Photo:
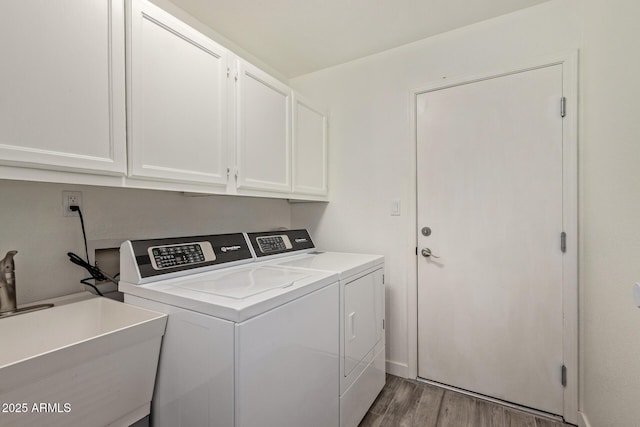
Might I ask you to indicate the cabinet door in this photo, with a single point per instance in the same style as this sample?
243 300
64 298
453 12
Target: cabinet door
62 102
309 148
177 98
263 131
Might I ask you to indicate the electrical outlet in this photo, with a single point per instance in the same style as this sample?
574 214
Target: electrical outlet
71 198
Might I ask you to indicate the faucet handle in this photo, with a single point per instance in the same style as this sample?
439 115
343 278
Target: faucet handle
7 284
6 264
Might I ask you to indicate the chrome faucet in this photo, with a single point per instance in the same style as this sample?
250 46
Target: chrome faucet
8 284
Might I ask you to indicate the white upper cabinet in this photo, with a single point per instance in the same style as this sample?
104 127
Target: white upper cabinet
309 148
155 105
263 131
62 85
177 87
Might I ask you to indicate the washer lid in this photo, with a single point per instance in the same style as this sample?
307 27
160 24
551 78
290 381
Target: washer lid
235 293
346 264
247 282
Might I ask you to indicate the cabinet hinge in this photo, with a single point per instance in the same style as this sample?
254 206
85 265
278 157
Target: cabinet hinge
563 376
563 106
416 251
228 170
383 324
563 242
383 279
228 72
236 78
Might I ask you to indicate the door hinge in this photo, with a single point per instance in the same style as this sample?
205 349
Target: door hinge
383 279
563 242
563 106
563 375
228 72
416 251
383 324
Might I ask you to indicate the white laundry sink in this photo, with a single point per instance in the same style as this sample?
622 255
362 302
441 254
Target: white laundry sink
86 363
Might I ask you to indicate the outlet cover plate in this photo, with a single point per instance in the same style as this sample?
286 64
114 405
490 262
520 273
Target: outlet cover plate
70 198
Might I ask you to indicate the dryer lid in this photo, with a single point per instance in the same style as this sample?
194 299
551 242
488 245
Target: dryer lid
346 264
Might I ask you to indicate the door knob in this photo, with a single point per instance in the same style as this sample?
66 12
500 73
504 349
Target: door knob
426 252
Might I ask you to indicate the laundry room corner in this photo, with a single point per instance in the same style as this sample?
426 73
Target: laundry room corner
372 160
315 213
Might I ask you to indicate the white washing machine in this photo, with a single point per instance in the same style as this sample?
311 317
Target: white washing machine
362 338
246 344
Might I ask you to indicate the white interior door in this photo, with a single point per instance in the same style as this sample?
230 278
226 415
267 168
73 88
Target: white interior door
490 188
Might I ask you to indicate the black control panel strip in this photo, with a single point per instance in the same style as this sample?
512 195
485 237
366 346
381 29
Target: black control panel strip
279 242
162 256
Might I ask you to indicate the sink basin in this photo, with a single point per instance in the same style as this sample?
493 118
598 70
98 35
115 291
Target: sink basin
86 363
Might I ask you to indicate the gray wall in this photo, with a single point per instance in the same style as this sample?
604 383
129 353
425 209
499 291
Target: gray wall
32 223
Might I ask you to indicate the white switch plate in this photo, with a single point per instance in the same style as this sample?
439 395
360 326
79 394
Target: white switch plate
395 207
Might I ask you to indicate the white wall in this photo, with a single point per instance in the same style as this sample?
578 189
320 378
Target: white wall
610 211
31 222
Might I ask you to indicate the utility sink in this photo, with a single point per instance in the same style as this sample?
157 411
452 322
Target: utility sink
86 363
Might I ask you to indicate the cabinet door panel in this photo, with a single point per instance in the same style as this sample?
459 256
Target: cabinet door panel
309 148
264 142
178 98
62 84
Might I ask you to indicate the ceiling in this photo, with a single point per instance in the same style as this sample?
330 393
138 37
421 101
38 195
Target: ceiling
297 37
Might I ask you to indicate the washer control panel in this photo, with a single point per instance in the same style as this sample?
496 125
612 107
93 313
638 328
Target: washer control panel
176 256
276 243
168 256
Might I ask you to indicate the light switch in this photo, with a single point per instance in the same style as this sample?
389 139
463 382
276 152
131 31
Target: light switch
395 207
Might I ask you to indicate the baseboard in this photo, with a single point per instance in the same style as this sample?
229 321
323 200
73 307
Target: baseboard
583 421
398 369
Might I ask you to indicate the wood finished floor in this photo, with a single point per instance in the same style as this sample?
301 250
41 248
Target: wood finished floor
408 403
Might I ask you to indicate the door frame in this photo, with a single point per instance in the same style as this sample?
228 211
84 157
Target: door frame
569 62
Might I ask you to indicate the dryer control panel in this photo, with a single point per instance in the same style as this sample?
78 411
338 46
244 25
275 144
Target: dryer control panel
280 242
269 244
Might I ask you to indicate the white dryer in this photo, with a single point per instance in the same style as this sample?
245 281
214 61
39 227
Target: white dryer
246 344
362 308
